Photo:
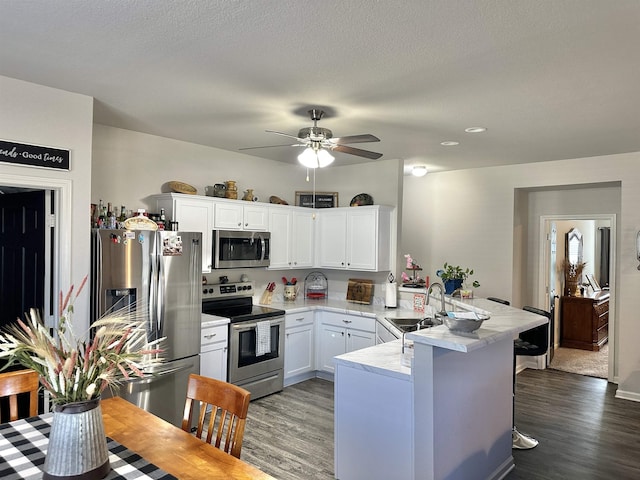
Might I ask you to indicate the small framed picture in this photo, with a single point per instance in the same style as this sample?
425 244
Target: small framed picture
593 282
317 200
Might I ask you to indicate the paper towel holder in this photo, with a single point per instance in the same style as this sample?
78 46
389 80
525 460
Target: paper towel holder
390 296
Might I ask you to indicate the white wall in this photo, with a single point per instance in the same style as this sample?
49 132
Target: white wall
129 166
35 114
467 217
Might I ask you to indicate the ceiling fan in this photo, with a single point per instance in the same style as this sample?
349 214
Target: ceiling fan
319 141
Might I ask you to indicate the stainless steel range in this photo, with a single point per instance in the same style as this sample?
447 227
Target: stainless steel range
256 337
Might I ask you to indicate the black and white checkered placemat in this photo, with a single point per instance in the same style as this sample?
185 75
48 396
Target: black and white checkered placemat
23 445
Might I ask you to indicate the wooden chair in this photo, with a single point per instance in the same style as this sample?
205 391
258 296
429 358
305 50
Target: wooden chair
16 382
229 405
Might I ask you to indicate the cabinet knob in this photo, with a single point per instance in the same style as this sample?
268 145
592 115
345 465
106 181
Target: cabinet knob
347 321
211 335
246 224
342 334
239 224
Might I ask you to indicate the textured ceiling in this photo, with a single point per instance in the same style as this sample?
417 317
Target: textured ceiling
550 79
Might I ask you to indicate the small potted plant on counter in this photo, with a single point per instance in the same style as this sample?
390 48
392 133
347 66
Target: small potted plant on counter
454 277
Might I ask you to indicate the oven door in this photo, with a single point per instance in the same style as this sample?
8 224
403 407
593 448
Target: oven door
240 249
244 363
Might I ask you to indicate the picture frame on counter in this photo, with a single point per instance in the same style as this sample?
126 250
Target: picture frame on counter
322 199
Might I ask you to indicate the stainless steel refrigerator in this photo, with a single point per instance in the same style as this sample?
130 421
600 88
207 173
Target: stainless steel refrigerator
160 271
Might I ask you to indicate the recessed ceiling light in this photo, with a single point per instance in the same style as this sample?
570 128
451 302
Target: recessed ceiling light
419 171
475 129
449 144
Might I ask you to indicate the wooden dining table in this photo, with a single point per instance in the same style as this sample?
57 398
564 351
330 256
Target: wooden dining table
169 447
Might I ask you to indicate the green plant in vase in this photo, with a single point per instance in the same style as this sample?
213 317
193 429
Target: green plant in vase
454 277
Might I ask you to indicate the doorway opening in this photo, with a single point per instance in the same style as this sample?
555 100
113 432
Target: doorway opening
25 252
583 323
534 210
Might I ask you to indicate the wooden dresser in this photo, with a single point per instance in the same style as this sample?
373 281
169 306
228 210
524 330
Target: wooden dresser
585 321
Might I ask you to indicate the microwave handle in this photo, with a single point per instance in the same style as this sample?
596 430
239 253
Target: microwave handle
262 247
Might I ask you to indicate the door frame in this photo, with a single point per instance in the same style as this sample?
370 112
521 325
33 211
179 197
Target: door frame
543 275
60 273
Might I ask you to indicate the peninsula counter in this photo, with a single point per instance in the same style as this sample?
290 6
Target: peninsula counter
448 416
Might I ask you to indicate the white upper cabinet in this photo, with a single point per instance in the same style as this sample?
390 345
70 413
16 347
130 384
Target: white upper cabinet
292 237
193 214
355 238
240 215
332 238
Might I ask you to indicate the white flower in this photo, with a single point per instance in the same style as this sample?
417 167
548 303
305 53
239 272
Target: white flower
90 390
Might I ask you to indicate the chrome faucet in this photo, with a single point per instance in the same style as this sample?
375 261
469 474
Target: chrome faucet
443 309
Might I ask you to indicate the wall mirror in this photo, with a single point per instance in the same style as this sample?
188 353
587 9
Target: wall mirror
574 246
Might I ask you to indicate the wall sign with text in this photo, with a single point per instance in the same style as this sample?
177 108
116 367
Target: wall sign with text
34 155
321 199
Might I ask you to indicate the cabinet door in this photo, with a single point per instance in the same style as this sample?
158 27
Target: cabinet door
196 215
362 239
302 244
298 345
332 228
280 222
255 217
213 363
332 343
228 216
357 339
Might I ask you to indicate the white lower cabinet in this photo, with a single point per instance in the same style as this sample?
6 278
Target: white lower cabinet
341 333
299 343
213 352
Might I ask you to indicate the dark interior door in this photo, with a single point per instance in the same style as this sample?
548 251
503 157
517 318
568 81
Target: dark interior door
22 253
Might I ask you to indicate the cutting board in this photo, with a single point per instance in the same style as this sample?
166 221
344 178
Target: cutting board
360 290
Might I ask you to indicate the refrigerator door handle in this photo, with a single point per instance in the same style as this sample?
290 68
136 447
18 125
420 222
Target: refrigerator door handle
154 376
153 297
159 282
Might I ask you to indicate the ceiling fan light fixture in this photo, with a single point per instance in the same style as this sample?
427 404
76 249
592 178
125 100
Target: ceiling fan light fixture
311 158
419 171
324 158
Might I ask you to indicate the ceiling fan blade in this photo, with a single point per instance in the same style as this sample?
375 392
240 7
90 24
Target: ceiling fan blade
284 135
365 138
357 151
271 146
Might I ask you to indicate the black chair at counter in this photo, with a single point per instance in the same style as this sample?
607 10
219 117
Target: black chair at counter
529 343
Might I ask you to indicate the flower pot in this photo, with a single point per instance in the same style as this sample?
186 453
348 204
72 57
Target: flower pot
451 286
77 443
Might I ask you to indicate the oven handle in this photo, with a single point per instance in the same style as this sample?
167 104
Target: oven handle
249 326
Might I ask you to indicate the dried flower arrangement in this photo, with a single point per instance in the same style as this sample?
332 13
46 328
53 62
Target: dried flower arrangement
73 369
572 270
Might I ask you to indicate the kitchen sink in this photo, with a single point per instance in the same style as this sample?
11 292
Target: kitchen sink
411 324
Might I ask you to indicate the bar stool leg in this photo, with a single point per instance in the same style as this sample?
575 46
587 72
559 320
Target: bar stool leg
519 440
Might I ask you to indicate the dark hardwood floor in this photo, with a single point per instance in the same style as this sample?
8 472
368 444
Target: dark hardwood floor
584 432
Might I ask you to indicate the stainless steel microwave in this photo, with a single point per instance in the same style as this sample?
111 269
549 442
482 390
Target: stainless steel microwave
240 249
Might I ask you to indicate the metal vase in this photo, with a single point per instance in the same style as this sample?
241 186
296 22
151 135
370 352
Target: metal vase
77 443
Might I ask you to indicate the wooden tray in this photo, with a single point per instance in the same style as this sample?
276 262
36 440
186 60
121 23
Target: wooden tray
360 290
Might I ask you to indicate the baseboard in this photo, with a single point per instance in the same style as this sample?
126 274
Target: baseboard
503 470
625 395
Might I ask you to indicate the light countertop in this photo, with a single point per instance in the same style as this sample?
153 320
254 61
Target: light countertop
505 322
